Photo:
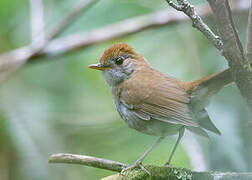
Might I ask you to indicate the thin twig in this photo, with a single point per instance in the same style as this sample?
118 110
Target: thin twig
175 6
80 7
87 161
198 23
248 48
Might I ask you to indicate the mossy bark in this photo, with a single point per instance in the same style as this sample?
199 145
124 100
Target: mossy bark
166 173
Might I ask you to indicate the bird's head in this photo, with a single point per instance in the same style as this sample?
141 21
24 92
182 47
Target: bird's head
118 62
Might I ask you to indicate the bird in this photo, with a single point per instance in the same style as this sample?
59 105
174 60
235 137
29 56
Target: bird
155 103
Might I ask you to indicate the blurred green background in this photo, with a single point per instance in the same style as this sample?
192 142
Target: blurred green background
62 106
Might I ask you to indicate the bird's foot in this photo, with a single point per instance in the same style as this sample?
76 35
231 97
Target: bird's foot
168 165
136 164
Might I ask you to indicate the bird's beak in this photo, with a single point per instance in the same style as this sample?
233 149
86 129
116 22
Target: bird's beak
98 66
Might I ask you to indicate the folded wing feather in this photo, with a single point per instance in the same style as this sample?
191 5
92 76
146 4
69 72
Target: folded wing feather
165 100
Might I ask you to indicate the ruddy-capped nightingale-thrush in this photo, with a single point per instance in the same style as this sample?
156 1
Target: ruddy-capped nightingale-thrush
155 103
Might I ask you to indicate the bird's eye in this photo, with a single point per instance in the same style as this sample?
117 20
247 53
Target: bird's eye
119 60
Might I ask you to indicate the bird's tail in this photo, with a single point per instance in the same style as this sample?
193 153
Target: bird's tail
213 83
203 89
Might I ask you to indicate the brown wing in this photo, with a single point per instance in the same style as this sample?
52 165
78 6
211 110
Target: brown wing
157 96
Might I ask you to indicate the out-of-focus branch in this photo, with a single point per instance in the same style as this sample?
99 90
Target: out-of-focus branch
81 7
87 161
198 23
37 22
232 48
119 29
13 60
10 62
81 40
248 49
194 152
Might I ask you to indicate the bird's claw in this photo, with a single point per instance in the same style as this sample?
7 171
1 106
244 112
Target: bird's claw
136 164
168 165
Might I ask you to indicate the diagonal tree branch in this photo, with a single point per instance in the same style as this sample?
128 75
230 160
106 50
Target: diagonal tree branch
18 57
229 45
198 23
12 61
226 28
118 29
248 48
133 25
81 7
232 48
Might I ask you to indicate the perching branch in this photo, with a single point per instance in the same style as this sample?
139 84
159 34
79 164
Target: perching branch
232 48
87 161
156 171
248 48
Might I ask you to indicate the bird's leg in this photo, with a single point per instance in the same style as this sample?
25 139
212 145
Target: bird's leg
181 133
140 160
